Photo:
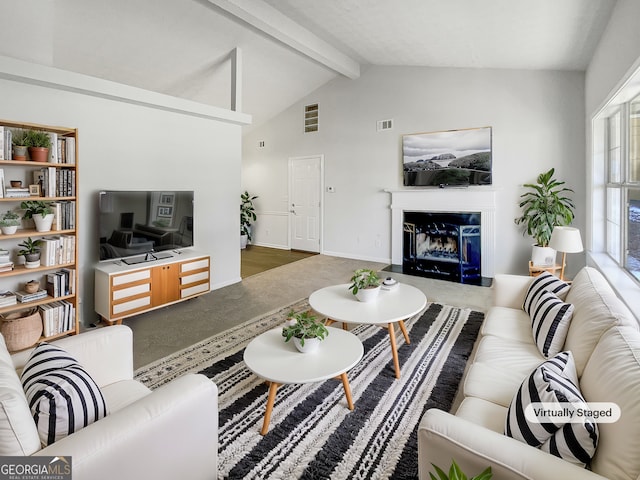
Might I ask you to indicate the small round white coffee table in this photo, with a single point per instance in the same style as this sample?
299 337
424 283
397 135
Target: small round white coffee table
338 304
279 362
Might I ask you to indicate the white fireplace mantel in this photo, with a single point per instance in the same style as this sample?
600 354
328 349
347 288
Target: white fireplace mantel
468 200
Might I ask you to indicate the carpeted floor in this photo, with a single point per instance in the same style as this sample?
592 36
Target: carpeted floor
313 435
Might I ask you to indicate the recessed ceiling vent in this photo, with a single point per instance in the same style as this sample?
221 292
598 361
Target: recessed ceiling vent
384 125
311 118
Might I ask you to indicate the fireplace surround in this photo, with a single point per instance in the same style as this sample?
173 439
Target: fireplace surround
474 201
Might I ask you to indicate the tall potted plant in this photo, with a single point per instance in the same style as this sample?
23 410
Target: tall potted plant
247 217
543 208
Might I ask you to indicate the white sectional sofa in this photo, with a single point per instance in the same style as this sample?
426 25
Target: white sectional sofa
604 339
169 433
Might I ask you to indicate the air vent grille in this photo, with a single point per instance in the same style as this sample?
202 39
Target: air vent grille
384 125
311 118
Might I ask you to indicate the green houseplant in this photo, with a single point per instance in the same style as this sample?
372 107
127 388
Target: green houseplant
10 222
455 473
31 251
544 207
38 143
19 141
247 217
365 284
307 332
41 213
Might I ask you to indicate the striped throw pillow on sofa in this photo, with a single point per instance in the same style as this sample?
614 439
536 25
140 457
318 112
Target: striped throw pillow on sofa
550 319
554 383
545 282
63 398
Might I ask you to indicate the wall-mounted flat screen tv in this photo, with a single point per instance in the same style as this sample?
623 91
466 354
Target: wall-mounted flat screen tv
132 223
449 158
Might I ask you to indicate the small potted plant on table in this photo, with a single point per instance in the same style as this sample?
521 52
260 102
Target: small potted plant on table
307 332
41 213
365 285
9 223
31 251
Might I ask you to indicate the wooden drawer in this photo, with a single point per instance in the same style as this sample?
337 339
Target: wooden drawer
131 277
194 265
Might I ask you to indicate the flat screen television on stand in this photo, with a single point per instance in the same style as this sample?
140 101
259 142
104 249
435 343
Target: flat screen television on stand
453 158
141 226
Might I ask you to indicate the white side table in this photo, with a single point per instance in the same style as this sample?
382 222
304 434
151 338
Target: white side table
279 362
338 304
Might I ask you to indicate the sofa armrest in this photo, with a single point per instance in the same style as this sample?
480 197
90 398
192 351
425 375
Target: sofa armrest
171 433
106 353
443 437
510 290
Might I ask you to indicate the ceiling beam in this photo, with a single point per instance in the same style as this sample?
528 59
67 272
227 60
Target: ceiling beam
272 22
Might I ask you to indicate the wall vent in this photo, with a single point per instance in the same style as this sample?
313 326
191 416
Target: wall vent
311 118
384 125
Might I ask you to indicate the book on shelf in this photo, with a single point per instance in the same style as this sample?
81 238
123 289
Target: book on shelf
57 317
6 141
53 151
24 297
1 183
14 192
6 266
7 298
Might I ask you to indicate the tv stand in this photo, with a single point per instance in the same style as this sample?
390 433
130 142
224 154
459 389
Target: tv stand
123 290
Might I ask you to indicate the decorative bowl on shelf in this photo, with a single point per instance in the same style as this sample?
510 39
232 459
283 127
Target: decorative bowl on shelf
16 183
32 286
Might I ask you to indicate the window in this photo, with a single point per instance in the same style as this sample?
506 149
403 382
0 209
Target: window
623 186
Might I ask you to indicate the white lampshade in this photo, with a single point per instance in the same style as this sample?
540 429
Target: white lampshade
566 239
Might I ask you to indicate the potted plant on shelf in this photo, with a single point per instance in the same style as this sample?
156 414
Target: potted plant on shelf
545 207
31 251
41 213
38 143
247 217
10 222
19 141
365 285
307 332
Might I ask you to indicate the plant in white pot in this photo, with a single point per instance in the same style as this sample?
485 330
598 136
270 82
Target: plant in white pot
247 217
9 223
543 208
41 213
365 285
31 251
307 332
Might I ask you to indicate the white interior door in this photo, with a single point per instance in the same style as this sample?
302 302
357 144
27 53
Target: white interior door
305 209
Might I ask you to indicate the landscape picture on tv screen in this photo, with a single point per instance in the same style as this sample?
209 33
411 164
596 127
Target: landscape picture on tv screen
448 158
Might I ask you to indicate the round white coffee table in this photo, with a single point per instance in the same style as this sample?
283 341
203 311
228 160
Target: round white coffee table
338 304
279 362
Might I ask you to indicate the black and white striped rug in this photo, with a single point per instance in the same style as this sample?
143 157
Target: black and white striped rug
312 434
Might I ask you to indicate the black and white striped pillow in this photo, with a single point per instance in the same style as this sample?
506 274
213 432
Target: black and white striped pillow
550 320
553 382
545 282
63 398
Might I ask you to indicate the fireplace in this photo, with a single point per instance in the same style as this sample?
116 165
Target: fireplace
478 202
443 245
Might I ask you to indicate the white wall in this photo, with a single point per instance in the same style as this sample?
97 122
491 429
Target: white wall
615 58
537 120
135 147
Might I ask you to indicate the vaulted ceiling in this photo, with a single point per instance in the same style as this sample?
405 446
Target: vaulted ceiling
289 48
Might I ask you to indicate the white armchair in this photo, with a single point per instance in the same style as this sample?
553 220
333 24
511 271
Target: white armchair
168 433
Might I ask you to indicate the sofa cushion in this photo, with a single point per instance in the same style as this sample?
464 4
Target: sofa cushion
518 357
483 413
492 383
18 433
597 308
550 318
612 374
553 383
508 323
62 396
545 282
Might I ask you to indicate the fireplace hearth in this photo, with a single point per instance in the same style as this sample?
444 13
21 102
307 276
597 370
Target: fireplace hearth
443 245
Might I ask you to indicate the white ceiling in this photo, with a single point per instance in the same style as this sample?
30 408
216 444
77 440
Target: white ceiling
292 47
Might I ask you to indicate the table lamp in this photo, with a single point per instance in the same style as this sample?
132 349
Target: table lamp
565 240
